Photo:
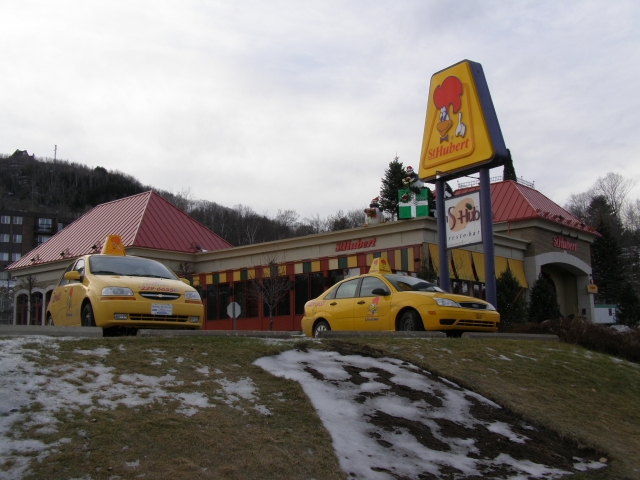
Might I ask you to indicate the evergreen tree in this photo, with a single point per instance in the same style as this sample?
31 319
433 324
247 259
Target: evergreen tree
628 311
511 305
606 260
544 301
509 172
391 183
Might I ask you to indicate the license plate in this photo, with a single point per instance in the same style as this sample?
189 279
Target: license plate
161 309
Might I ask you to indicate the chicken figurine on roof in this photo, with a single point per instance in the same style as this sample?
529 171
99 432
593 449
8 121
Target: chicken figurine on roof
374 214
413 200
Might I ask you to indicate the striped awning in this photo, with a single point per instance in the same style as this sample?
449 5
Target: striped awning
517 268
462 264
501 265
478 263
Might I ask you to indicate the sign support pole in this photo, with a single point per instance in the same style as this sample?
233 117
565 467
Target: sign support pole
486 220
441 218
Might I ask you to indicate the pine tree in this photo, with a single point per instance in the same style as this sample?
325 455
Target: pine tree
628 311
606 253
543 304
509 172
511 304
391 183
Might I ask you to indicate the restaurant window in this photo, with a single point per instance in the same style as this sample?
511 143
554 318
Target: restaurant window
248 302
218 298
307 287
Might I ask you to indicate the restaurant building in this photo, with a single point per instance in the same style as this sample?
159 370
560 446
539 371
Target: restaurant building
532 236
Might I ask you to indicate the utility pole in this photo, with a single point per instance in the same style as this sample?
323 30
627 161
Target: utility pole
55 151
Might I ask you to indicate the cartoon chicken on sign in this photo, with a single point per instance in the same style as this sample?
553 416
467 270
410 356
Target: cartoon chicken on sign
449 93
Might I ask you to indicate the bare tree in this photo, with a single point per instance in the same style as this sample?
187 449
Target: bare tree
273 287
614 187
315 224
632 216
578 203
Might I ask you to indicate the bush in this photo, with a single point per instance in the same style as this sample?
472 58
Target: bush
628 312
543 304
511 304
588 335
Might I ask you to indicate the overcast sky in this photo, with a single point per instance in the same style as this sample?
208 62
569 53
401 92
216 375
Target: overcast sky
302 104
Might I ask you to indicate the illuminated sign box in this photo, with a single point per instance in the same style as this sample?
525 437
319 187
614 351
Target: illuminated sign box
463 224
461 131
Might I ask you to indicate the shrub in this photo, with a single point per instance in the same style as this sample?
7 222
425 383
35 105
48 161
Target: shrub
628 311
511 303
589 335
543 304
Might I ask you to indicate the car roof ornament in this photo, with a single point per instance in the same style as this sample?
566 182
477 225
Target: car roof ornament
113 246
380 265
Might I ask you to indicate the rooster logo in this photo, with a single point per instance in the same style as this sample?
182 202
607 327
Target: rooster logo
445 95
69 298
372 309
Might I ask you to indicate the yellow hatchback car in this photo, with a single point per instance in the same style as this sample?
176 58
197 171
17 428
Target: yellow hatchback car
381 300
114 290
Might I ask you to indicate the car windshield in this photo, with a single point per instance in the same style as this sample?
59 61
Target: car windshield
404 283
129 266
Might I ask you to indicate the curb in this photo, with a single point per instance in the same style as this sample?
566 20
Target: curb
34 330
148 332
347 334
510 336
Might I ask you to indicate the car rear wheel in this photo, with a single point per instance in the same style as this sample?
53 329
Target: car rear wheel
409 322
87 316
49 320
321 326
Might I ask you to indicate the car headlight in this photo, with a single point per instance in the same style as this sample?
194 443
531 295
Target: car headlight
117 291
445 302
491 307
191 296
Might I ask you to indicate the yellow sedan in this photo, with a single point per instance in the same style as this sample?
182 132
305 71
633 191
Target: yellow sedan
123 291
381 300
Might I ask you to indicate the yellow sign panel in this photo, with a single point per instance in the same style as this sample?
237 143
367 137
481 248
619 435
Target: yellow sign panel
113 245
458 133
380 265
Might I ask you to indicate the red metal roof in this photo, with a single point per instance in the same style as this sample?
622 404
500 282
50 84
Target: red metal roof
145 220
511 202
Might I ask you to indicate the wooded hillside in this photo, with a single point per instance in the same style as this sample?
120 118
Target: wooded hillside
71 189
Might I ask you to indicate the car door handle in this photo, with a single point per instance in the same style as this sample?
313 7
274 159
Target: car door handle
361 302
333 303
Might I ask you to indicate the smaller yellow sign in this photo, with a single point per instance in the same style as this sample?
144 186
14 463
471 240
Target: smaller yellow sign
458 132
380 265
113 246
591 288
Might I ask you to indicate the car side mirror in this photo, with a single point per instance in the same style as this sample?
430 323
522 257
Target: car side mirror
381 292
73 275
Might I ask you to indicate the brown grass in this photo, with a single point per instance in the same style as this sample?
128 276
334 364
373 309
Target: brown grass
586 396
591 398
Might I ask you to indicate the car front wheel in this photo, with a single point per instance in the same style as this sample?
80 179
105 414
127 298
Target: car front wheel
87 316
321 326
409 322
